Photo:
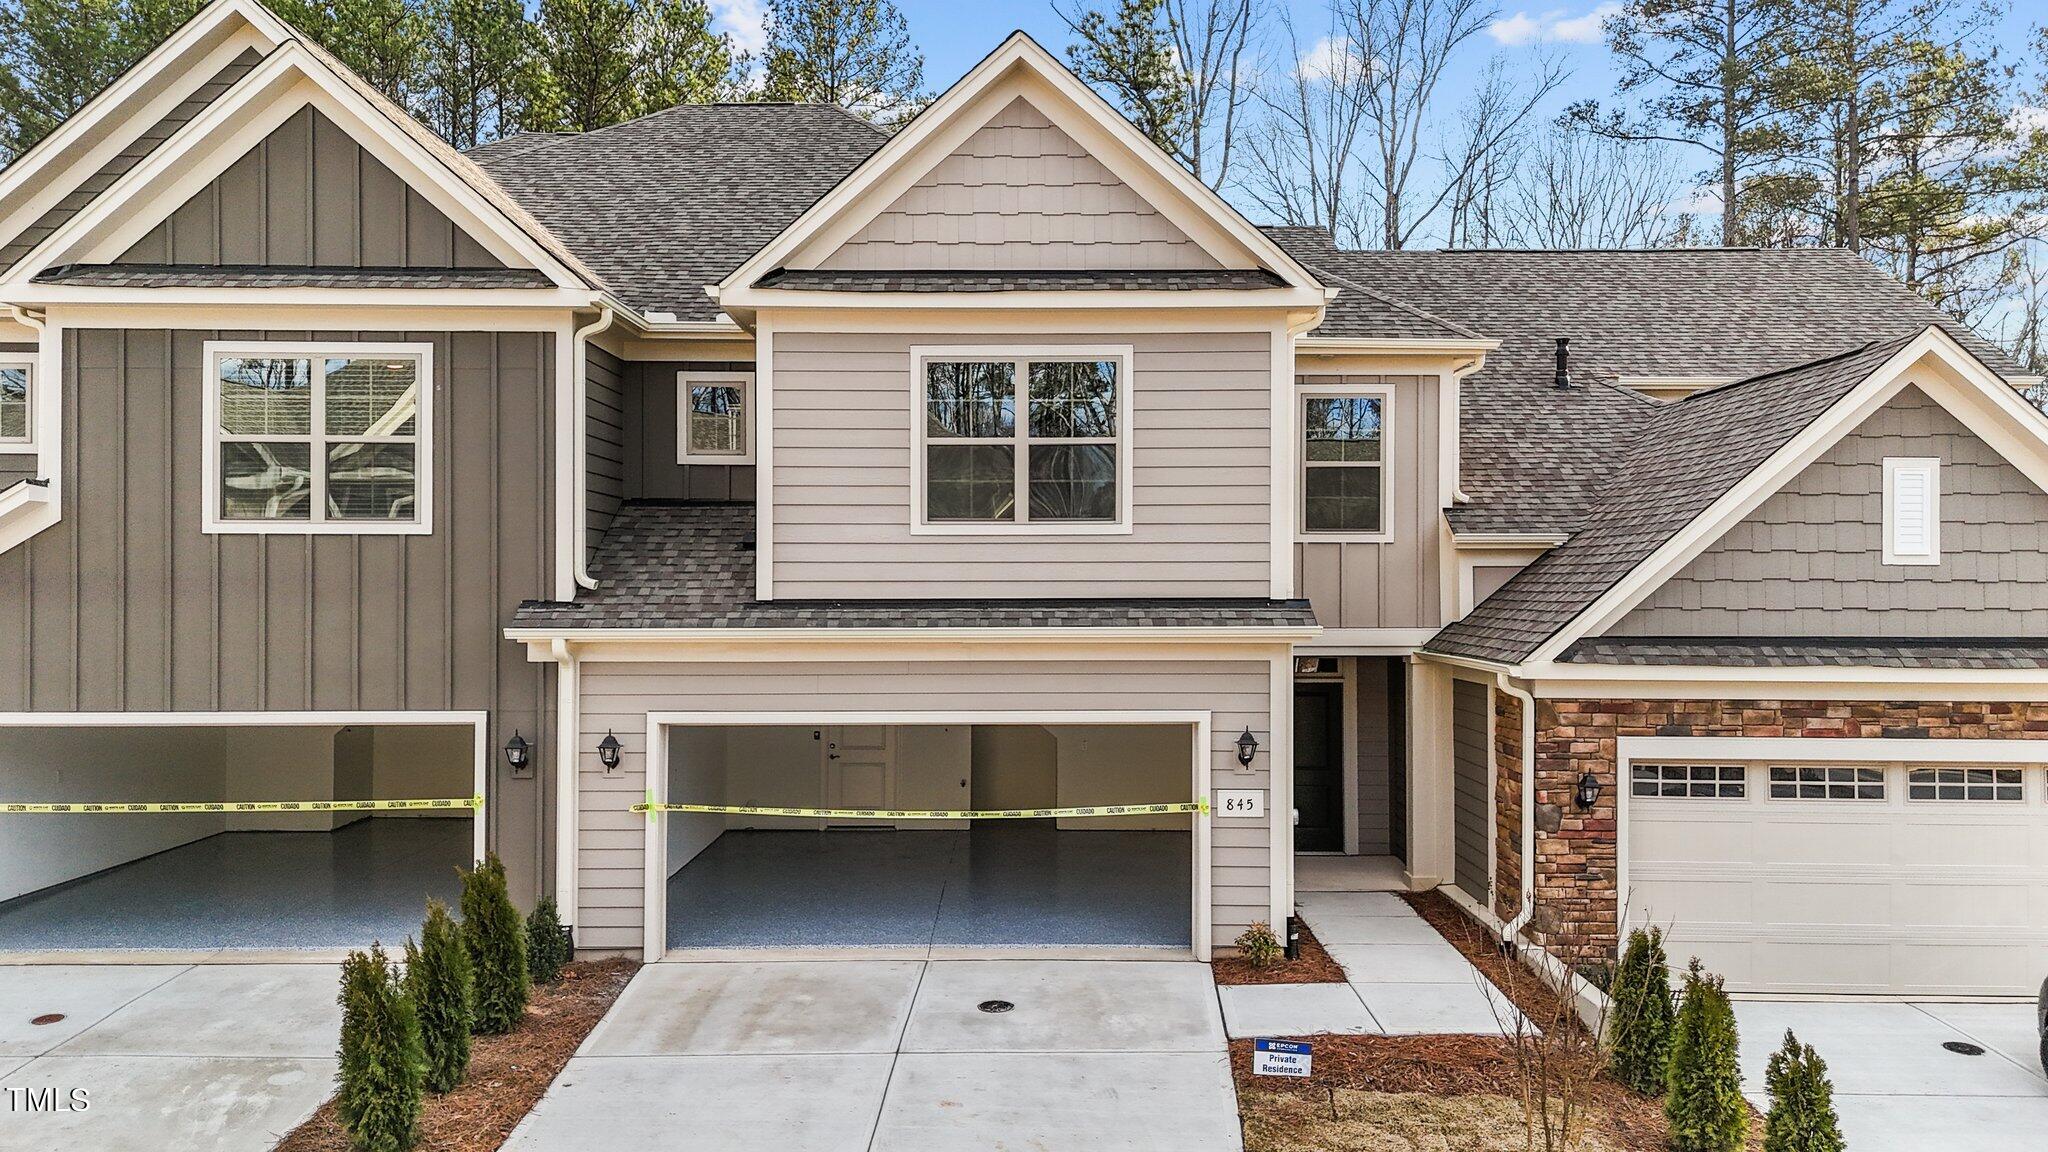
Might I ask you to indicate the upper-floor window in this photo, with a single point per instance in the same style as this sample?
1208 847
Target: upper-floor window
17 412
1032 439
319 437
1344 480
715 412
1912 510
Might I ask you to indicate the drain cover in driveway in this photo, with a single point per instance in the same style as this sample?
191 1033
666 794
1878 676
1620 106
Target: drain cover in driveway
1963 1048
995 1005
47 1018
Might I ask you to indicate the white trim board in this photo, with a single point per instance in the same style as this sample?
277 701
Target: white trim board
480 721
654 906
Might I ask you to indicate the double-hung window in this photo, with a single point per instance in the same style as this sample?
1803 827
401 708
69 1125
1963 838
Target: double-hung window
319 437
1025 439
17 401
1344 456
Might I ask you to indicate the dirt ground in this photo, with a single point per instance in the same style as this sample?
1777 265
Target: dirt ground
507 1074
1313 966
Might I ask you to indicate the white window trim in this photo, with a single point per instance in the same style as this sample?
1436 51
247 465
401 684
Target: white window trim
26 361
1931 465
745 382
1384 393
211 521
1123 354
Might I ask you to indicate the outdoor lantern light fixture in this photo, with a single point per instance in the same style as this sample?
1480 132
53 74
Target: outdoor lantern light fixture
518 753
1588 792
1247 746
608 751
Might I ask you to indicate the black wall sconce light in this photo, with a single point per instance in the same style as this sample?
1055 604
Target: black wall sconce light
1587 793
1247 747
608 751
518 753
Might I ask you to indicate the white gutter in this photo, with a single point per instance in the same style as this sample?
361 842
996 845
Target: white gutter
581 341
1163 634
1526 909
568 689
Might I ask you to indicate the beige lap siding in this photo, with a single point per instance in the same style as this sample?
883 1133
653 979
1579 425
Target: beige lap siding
1201 498
618 697
1576 902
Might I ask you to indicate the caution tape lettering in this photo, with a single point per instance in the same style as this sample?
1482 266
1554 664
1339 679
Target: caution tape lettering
650 807
138 808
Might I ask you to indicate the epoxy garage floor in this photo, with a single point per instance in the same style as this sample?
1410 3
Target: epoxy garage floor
897 1056
264 890
991 886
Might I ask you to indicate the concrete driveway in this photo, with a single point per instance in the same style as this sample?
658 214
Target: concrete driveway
1897 1087
897 1056
169 1057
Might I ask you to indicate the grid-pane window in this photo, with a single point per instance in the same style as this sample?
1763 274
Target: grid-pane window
1029 440
14 420
309 438
1344 455
1690 781
1964 784
1827 782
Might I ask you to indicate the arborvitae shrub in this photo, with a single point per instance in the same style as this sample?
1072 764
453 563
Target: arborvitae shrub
495 936
1802 1117
437 977
1639 1014
547 945
383 1070
1704 1101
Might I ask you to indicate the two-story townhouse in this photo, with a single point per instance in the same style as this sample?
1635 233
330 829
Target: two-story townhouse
746 459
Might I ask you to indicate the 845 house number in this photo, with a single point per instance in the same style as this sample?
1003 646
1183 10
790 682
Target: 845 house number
1241 803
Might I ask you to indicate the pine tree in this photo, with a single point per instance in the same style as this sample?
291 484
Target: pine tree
584 60
57 54
495 936
1802 1117
547 943
382 1077
1703 1100
438 979
476 74
854 53
1640 1015
681 60
1130 56
383 41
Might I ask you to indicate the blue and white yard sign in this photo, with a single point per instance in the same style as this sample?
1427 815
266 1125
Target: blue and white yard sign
1281 1058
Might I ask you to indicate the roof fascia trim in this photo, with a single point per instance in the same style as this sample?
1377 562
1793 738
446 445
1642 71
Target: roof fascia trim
1341 345
761 298
1164 634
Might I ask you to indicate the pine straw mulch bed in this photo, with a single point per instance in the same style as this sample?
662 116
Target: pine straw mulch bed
1314 966
507 1074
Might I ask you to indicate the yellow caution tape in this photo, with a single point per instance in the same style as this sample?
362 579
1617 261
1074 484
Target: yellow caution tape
471 802
927 814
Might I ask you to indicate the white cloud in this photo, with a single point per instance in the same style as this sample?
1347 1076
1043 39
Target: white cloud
744 21
1553 26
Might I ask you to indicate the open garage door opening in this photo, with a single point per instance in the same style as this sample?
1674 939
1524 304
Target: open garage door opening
747 880
249 879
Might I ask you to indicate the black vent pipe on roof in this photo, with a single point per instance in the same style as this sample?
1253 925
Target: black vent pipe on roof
1564 362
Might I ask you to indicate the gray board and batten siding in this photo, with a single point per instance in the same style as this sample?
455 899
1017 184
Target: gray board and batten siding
1471 764
125 605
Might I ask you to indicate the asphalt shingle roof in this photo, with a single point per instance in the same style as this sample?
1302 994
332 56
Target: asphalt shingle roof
692 566
1688 454
1534 456
1811 652
1051 280
281 276
671 202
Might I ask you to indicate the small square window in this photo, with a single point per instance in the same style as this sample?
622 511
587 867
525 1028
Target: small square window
1965 784
1689 781
1827 782
714 418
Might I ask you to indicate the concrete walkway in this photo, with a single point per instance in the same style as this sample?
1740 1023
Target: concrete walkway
1896 1086
898 1056
170 1058
1404 978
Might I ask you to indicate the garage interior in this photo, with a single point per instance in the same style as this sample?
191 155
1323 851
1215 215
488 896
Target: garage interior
204 881
741 881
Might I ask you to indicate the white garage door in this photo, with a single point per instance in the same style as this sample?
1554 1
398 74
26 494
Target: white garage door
1862 877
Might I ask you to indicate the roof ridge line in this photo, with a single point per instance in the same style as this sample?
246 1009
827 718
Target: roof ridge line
1799 367
1392 301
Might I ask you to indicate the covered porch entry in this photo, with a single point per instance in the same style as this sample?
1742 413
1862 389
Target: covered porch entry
1350 774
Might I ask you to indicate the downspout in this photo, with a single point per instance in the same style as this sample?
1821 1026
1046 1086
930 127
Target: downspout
1527 909
581 340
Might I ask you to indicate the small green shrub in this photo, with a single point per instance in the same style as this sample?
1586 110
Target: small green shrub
383 1069
547 944
495 936
1257 944
1640 1015
437 977
1802 1117
1703 1100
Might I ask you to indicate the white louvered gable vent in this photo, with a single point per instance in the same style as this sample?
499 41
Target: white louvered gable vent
1912 510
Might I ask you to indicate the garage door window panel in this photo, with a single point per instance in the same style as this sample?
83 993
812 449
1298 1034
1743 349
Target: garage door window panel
1827 782
1690 781
1965 784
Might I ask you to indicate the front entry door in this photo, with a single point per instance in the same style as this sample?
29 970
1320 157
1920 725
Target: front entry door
857 767
1319 767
